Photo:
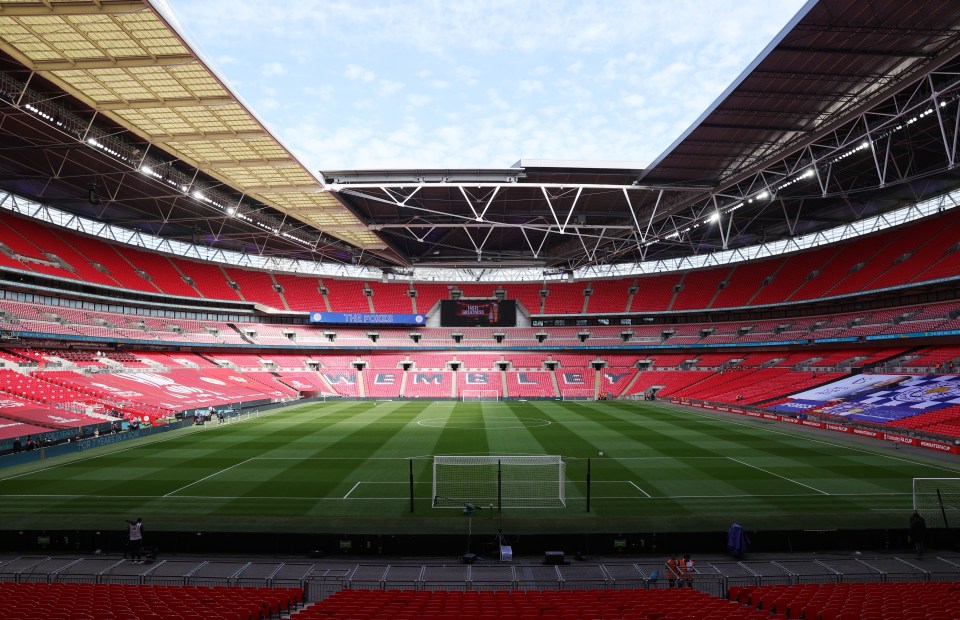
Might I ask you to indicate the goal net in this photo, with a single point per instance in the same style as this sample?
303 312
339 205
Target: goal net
477 396
501 481
937 499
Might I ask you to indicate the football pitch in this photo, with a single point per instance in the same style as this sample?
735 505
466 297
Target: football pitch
345 467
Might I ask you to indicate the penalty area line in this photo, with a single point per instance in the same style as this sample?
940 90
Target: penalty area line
768 472
634 485
351 490
216 473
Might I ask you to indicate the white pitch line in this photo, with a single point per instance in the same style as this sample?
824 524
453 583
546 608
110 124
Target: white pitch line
216 473
330 458
777 475
631 482
327 499
173 435
351 490
802 436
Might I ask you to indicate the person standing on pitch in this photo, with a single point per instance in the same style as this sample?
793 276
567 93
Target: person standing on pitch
918 532
135 539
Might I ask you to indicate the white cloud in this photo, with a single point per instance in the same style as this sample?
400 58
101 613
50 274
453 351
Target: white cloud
356 72
418 100
388 87
530 86
323 92
463 83
272 69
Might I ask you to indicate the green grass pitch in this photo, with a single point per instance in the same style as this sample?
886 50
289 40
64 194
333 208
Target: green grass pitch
344 467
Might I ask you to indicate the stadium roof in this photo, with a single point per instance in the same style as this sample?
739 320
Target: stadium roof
849 112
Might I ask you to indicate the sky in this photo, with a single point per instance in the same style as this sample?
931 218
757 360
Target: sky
355 84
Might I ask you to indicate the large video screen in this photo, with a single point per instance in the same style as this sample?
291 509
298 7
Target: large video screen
478 313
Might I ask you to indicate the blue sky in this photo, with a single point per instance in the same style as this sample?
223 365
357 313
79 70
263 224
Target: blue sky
478 84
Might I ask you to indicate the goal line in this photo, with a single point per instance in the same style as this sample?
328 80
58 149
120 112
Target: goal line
503 481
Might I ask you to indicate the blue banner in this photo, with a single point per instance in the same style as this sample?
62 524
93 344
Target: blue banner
359 318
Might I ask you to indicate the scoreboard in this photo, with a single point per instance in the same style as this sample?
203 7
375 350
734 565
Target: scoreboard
478 313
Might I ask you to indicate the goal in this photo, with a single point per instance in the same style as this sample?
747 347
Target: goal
501 481
479 396
938 500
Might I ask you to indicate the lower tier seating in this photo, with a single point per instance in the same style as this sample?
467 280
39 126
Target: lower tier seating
87 601
652 604
855 601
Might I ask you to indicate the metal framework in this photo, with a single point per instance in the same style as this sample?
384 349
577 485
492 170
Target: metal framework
850 113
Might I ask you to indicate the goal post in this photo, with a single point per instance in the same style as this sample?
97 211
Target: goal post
938 500
500 481
480 396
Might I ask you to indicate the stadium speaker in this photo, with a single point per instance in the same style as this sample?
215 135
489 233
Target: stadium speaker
554 558
468 558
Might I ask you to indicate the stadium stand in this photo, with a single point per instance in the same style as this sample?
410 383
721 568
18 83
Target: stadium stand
89 601
427 295
342 381
627 604
744 282
655 293
347 295
256 286
564 298
480 380
102 255
381 383
302 292
484 290
698 288
869 601
208 278
160 271
391 297
609 296
528 295
530 384
430 384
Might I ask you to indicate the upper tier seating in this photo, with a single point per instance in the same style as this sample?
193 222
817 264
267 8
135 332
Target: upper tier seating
161 271
609 296
791 274
347 295
699 288
427 295
302 292
391 298
564 298
257 286
655 293
874 261
528 295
